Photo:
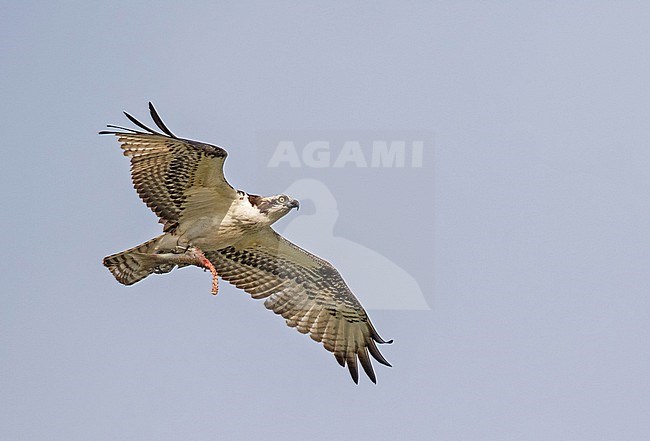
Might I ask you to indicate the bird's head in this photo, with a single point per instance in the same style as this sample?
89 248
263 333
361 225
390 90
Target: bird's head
275 206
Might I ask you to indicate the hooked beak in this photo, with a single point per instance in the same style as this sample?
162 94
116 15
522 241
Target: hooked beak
295 204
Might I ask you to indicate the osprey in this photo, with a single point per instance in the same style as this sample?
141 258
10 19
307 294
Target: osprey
209 224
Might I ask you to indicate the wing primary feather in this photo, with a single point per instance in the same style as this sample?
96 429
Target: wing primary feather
364 359
351 360
139 124
159 122
372 347
111 132
339 358
340 346
377 338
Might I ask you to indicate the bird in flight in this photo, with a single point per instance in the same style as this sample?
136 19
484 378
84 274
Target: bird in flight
209 224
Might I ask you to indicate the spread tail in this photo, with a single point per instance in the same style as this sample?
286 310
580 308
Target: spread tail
136 263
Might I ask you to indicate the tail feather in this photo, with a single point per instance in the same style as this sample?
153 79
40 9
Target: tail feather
132 265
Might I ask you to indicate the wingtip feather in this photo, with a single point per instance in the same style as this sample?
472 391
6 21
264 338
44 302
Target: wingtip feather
364 359
374 351
354 370
141 125
159 122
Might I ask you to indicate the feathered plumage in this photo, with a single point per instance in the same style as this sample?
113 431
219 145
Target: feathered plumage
182 181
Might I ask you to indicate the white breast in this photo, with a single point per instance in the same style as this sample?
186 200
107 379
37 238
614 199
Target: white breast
224 226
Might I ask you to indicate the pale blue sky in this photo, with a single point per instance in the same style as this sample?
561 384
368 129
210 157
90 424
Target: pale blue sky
526 228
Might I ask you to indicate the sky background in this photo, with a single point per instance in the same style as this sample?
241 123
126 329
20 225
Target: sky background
526 228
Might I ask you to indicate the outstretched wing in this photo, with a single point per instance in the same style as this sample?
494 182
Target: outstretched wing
172 174
307 291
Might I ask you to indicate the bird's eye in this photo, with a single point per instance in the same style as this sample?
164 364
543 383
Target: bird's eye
282 199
